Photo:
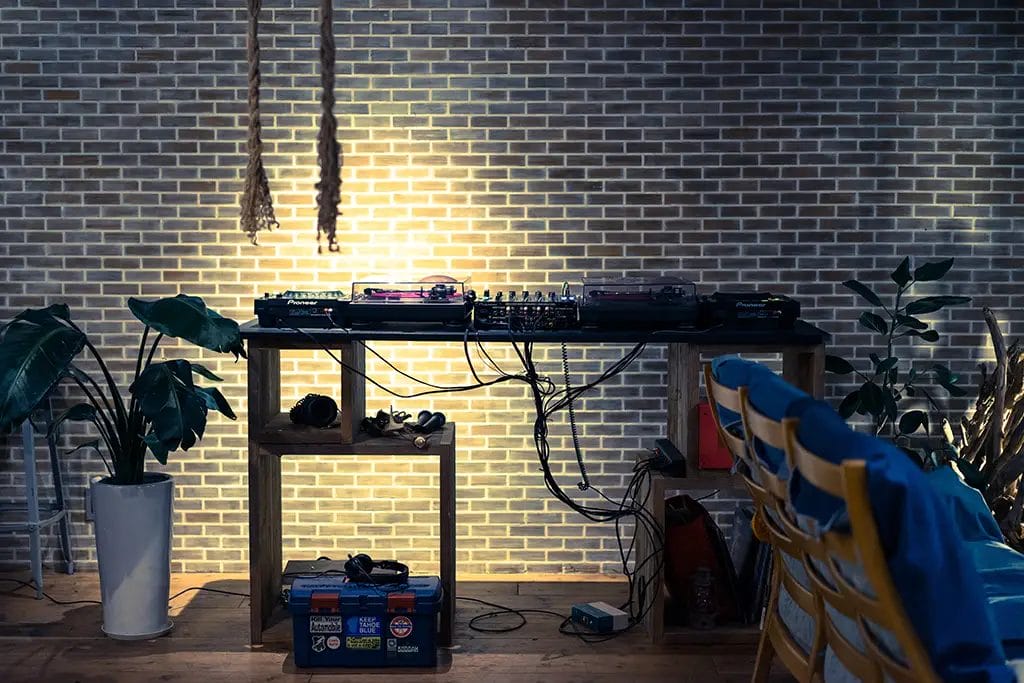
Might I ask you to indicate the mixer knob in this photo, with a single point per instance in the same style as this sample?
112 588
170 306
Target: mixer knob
551 296
511 295
487 294
526 295
539 296
497 297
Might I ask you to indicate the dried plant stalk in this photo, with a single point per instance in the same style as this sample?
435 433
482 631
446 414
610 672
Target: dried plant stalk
994 434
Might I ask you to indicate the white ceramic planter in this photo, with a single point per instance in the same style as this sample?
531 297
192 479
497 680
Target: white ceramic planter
133 549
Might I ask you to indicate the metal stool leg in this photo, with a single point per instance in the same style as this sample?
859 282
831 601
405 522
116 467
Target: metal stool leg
32 504
60 507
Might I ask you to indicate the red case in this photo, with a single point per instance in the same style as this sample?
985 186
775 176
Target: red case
712 453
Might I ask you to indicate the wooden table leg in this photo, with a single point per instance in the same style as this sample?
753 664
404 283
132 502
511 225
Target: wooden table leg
353 390
448 535
805 368
264 539
683 395
653 572
264 491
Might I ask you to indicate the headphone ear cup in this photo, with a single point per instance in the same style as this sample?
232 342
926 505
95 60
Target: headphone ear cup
435 422
359 567
422 417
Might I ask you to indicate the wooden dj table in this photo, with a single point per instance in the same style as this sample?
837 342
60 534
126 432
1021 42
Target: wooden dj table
272 435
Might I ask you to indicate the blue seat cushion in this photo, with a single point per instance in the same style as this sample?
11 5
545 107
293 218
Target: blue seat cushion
825 433
933 571
776 399
734 372
971 513
1002 575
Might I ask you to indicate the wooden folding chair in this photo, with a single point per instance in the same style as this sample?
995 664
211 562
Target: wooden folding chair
853 578
768 493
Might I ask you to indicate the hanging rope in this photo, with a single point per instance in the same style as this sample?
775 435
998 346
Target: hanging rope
257 205
328 193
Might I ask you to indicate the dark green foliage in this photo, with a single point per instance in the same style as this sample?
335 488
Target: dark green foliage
883 388
166 410
35 349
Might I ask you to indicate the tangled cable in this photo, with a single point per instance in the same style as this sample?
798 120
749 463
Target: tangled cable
548 400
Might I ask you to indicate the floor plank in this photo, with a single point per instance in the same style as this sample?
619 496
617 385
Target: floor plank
41 641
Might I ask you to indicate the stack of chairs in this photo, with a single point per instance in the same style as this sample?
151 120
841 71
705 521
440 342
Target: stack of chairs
871 580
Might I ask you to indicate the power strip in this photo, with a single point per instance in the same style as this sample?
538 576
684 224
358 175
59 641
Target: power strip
599 617
668 459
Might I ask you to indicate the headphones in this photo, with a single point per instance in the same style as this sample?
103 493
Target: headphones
427 422
364 569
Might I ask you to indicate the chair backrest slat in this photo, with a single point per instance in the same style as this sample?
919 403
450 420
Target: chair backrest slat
854 579
768 492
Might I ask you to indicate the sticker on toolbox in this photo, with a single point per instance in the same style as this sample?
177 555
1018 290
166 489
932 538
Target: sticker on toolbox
401 626
325 624
318 643
334 642
362 626
362 643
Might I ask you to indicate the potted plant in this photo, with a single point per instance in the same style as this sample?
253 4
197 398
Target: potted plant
163 410
886 383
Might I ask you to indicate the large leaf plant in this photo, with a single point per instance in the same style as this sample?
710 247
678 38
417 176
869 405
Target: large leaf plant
164 409
885 384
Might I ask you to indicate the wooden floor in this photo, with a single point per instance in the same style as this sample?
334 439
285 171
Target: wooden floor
40 641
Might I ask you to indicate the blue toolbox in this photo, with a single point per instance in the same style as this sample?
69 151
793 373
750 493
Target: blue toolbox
340 623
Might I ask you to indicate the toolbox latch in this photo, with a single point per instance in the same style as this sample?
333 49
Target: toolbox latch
324 602
401 602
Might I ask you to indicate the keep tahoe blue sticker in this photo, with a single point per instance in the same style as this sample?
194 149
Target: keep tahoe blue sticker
363 626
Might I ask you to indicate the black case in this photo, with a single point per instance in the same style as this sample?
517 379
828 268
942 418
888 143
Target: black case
751 310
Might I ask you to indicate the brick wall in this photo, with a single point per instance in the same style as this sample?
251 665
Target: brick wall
774 144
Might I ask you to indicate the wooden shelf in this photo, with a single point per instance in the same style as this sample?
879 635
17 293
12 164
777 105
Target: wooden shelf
282 437
700 480
726 634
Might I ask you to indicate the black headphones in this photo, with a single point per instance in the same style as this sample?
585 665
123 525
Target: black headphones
427 422
363 569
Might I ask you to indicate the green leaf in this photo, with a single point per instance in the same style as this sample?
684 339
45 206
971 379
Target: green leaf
872 399
889 405
188 317
927 335
35 352
912 421
45 316
901 275
216 401
874 322
175 407
80 412
911 322
932 271
930 304
203 371
837 365
849 405
944 374
159 450
887 365
864 291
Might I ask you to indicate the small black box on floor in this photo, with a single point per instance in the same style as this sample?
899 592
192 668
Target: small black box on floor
340 623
